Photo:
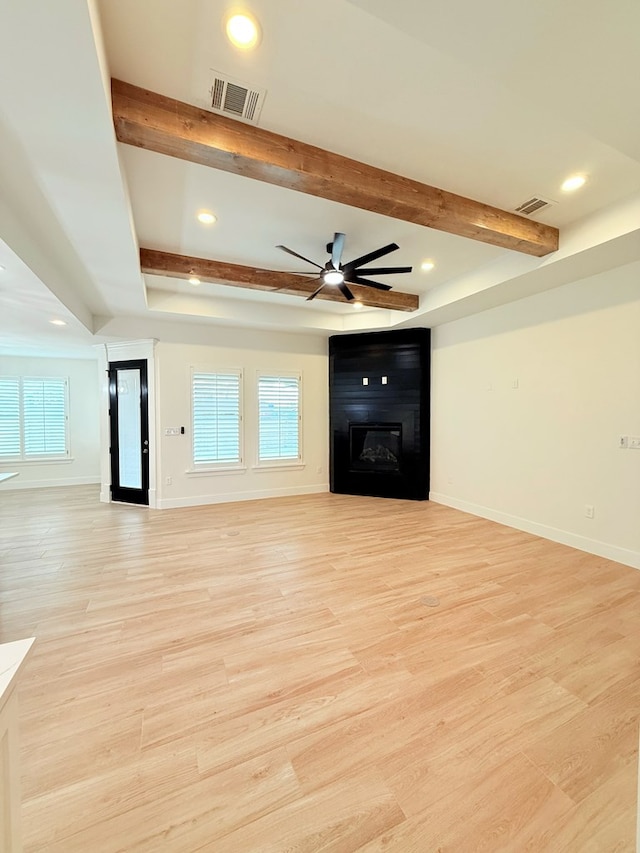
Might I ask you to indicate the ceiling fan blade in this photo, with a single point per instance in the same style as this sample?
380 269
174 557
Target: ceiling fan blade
356 279
344 290
315 292
302 257
336 250
296 280
372 256
296 272
384 270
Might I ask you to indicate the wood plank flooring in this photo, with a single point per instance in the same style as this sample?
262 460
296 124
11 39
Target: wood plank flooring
266 676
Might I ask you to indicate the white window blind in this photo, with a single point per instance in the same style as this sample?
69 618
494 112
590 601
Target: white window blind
10 418
216 418
33 418
278 417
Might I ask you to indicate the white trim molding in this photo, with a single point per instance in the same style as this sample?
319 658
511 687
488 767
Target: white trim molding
233 497
592 546
51 484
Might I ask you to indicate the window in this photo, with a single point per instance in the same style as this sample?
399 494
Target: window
216 418
33 418
278 418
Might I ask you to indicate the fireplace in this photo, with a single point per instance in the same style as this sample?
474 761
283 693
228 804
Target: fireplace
375 447
379 413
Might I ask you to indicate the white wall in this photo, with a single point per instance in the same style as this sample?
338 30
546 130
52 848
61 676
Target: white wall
251 351
533 456
84 429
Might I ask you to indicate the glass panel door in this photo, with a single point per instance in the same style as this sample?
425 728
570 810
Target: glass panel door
129 431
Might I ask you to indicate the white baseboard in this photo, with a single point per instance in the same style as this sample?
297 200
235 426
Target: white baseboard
17 483
638 814
564 537
231 497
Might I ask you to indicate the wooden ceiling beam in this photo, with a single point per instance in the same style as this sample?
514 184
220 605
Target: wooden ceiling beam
162 124
218 272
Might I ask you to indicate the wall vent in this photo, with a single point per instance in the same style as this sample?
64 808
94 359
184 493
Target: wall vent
235 98
533 205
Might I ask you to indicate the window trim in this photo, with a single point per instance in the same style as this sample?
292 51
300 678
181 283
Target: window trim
281 462
39 458
224 466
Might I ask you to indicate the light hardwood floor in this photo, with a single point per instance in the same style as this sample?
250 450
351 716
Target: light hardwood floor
266 676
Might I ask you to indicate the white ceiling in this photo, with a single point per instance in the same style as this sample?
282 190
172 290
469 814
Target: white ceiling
496 101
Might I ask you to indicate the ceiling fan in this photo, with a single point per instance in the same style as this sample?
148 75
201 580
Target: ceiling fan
336 274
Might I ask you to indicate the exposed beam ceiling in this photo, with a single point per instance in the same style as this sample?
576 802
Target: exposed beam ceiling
157 123
218 272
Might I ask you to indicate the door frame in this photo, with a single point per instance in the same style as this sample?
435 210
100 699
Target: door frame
127 494
116 351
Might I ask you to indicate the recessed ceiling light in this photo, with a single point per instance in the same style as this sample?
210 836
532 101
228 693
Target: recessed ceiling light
206 217
58 322
573 183
194 280
243 30
427 266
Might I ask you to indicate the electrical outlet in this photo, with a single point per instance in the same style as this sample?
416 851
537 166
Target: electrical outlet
588 511
168 480
634 442
623 441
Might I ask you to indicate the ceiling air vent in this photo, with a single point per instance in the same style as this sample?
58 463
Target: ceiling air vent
533 205
234 98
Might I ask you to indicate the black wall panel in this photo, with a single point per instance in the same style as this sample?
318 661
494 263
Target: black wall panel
403 356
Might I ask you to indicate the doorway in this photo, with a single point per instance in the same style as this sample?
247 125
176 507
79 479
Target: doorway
129 431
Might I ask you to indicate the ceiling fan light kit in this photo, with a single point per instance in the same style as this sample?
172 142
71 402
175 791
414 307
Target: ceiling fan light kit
336 274
333 277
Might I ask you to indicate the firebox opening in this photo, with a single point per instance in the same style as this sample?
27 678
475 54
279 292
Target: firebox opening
375 447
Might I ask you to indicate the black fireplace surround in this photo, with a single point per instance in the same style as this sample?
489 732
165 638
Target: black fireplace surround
379 413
